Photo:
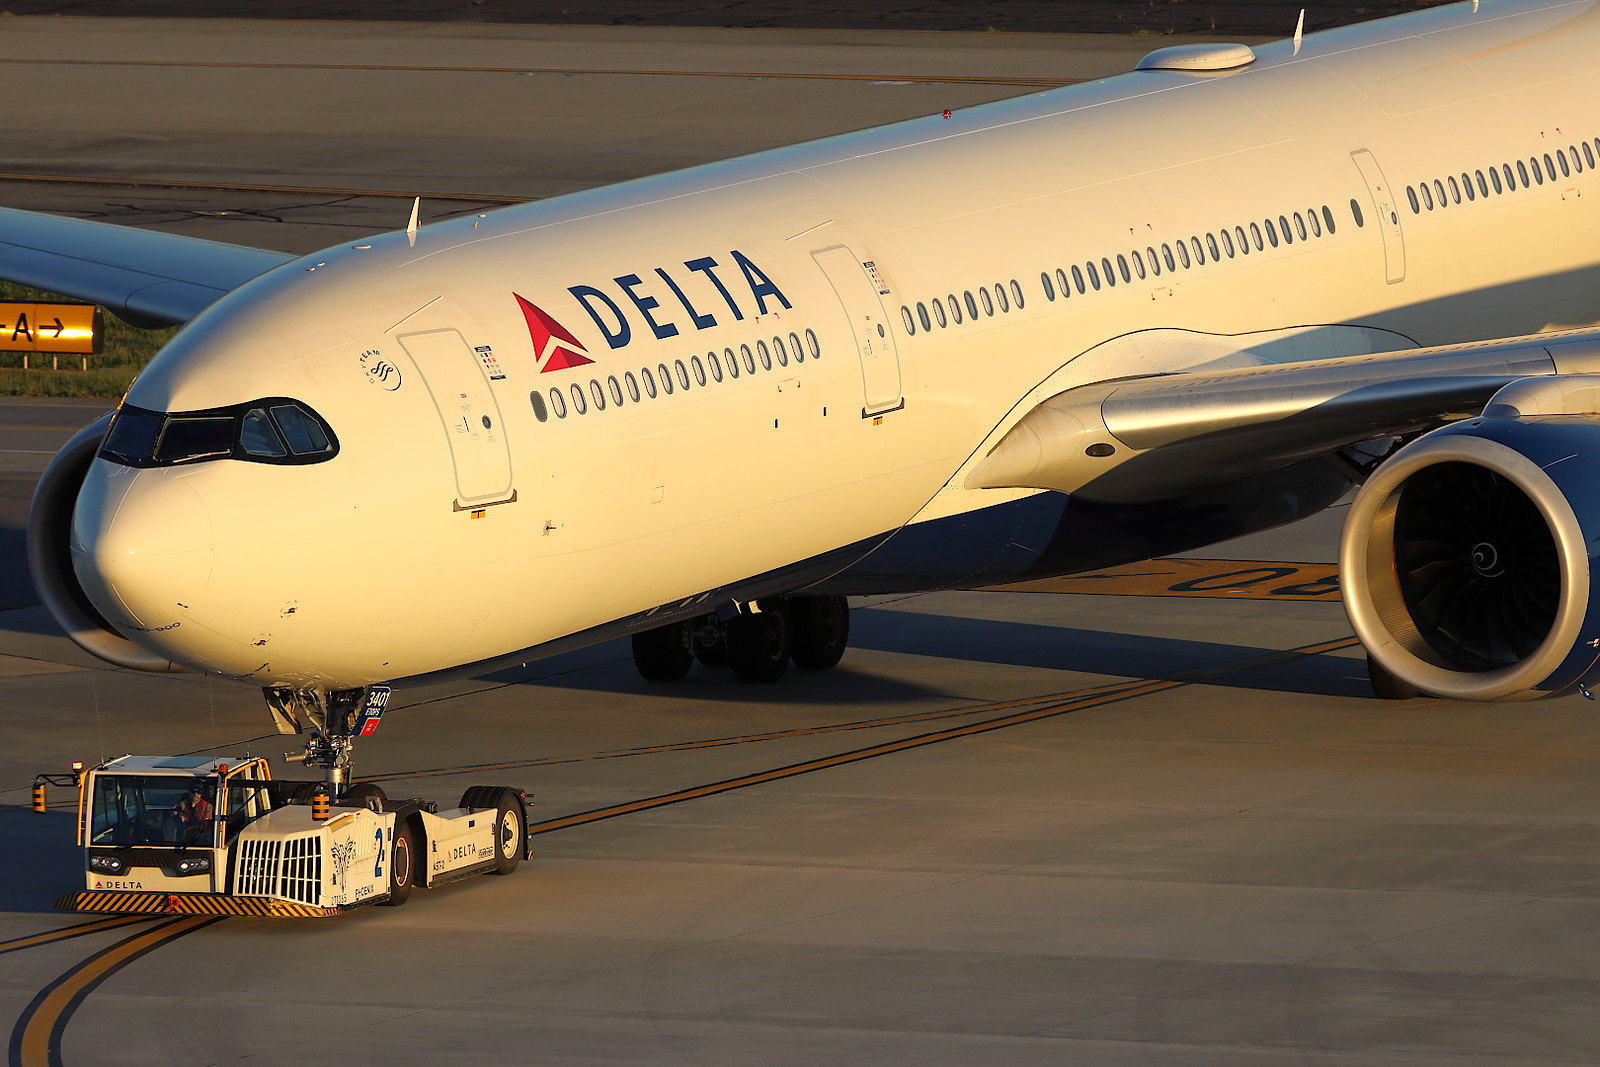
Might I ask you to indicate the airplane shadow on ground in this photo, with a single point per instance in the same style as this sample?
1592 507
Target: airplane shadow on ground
1092 652
42 860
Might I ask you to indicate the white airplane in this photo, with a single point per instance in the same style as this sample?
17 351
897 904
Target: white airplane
1079 328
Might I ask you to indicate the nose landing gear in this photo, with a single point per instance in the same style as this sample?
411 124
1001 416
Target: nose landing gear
334 718
758 641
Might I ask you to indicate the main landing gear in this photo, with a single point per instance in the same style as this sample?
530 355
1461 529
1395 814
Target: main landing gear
758 642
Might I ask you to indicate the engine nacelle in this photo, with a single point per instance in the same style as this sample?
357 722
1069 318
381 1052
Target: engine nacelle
1469 558
50 556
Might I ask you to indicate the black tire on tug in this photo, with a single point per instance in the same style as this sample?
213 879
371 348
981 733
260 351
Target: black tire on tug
821 631
510 831
402 866
356 796
664 654
759 644
1386 685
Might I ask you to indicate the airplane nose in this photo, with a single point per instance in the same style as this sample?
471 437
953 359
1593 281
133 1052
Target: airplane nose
141 545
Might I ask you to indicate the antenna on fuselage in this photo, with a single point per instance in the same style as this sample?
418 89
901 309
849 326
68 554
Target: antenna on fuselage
1299 30
416 209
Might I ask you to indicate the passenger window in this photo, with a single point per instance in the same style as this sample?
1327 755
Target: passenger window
1466 186
1327 218
1272 231
1411 196
699 369
1549 167
558 403
649 382
683 373
633 385
1494 176
1211 243
922 317
1094 276
616 390
1241 240
1199 252
1438 191
1300 225
665 377
599 394
1166 254
1255 236
911 324
1138 264
1183 255
304 435
1483 185
1107 272
1016 292
938 315
1283 224
1155 261
1588 153
1314 222
1000 297
1455 190
580 405
782 353
540 410
811 343
1427 197
1355 213
1522 173
732 361
1077 283
1538 175
1044 280
1577 164
955 305
988 302
258 438
715 364
1122 266
1063 283
750 359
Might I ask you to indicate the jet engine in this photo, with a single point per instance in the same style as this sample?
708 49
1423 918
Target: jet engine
1469 556
50 556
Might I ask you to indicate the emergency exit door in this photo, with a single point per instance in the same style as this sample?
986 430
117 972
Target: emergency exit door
456 380
1387 210
874 339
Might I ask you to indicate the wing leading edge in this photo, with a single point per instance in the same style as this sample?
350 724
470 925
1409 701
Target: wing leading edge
148 278
1159 437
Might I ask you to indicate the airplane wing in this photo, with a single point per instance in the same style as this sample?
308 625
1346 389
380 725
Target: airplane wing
1161 436
147 278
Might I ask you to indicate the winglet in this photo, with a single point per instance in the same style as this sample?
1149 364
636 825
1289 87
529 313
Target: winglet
1299 30
416 209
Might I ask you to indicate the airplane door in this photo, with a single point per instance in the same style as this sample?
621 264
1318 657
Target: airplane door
1387 211
456 380
880 363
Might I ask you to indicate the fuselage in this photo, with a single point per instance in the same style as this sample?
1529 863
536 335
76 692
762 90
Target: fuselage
561 420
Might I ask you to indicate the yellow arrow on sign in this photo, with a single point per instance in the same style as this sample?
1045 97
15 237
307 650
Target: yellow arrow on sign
74 328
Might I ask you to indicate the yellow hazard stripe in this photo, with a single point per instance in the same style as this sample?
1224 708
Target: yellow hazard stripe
190 904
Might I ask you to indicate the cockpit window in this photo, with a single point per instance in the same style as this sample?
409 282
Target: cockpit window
184 439
305 437
258 437
274 430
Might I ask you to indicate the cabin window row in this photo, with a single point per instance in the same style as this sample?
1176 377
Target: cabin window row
1505 178
648 383
953 310
1196 251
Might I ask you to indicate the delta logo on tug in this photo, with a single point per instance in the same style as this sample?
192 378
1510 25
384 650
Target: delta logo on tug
557 348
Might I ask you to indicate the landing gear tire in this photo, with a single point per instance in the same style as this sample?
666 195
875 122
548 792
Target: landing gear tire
358 795
402 866
759 644
1386 685
664 654
821 631
510 832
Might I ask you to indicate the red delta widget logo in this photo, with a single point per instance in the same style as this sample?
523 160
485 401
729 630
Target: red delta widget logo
691 298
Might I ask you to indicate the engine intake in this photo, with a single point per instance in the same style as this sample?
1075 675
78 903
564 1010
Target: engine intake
1468 558
50 556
